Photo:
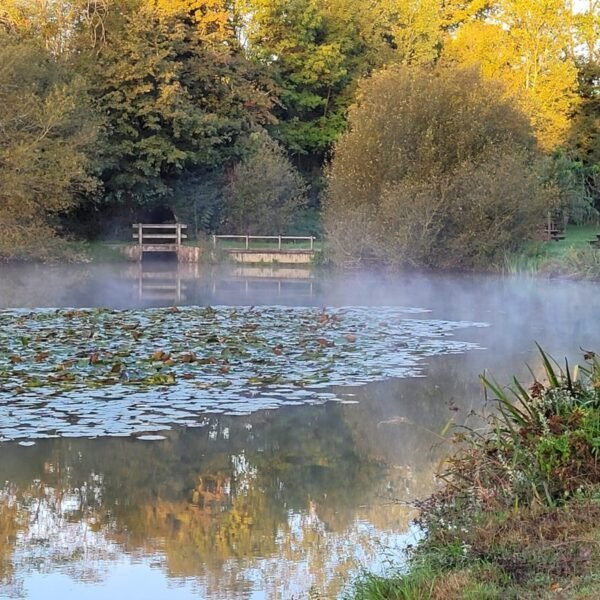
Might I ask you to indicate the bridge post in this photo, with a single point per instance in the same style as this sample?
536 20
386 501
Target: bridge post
140 241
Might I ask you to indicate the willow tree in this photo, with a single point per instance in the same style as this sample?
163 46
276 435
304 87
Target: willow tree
437 169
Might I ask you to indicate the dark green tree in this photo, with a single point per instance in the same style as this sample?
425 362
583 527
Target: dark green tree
178 105
265 192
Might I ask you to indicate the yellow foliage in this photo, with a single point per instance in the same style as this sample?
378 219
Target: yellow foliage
212 17
523 45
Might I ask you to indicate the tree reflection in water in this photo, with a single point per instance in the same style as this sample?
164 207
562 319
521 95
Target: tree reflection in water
278 501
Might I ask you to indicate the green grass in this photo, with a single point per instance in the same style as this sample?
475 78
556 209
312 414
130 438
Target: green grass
569 257
576 237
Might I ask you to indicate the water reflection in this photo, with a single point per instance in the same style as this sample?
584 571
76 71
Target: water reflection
270 505
277 503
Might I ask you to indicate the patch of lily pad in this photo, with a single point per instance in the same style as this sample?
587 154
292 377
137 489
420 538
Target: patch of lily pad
101 372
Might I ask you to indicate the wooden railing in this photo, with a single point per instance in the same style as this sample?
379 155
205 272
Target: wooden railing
554 227
164 233
280 240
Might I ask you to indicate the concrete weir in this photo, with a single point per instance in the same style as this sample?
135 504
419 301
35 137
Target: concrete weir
185 254
284 257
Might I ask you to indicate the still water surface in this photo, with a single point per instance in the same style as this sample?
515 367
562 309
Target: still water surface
280 502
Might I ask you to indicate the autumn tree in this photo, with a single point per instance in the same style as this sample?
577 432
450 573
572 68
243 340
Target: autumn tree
525 45
47 129
438 168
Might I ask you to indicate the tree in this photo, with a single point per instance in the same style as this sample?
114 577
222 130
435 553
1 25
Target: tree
584 135
46 131
437 169
265 192
179 104
525 44
319 49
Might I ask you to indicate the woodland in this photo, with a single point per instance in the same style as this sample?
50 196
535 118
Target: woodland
433 133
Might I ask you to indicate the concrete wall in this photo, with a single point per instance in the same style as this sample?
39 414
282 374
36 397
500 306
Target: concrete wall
185 254
193 254
284 257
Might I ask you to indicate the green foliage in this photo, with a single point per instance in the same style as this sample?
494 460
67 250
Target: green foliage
47 129
584 136
578 263
436 170
178 106
265 192
543 444
572 178
316 51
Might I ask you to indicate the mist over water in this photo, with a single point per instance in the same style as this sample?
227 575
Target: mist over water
275 502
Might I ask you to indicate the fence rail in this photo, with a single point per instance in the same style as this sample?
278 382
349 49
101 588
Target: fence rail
280 239
171 233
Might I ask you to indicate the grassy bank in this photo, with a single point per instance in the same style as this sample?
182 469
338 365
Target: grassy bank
572 257
518 515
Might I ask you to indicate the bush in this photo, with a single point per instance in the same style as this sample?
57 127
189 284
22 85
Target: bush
47 130
542 447
436 170
265 193
577 263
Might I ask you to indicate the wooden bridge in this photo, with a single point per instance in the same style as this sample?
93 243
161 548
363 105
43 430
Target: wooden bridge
161 237
250 249
283 249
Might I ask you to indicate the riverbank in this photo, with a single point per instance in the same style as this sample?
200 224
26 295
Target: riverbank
573 257
570 258
518 514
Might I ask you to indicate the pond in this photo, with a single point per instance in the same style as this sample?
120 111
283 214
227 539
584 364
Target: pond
172 431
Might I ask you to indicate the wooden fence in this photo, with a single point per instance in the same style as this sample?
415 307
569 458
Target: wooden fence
273 242
159 234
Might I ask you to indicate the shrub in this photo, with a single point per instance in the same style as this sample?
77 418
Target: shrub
265 193
47 131
542 447
437 169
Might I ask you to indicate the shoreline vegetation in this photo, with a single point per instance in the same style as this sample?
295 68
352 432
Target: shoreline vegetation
570 258
517 514
412 135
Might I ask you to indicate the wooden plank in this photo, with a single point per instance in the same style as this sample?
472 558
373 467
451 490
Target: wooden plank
159 226
159 236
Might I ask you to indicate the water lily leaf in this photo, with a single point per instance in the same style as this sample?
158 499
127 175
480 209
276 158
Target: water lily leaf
265 358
